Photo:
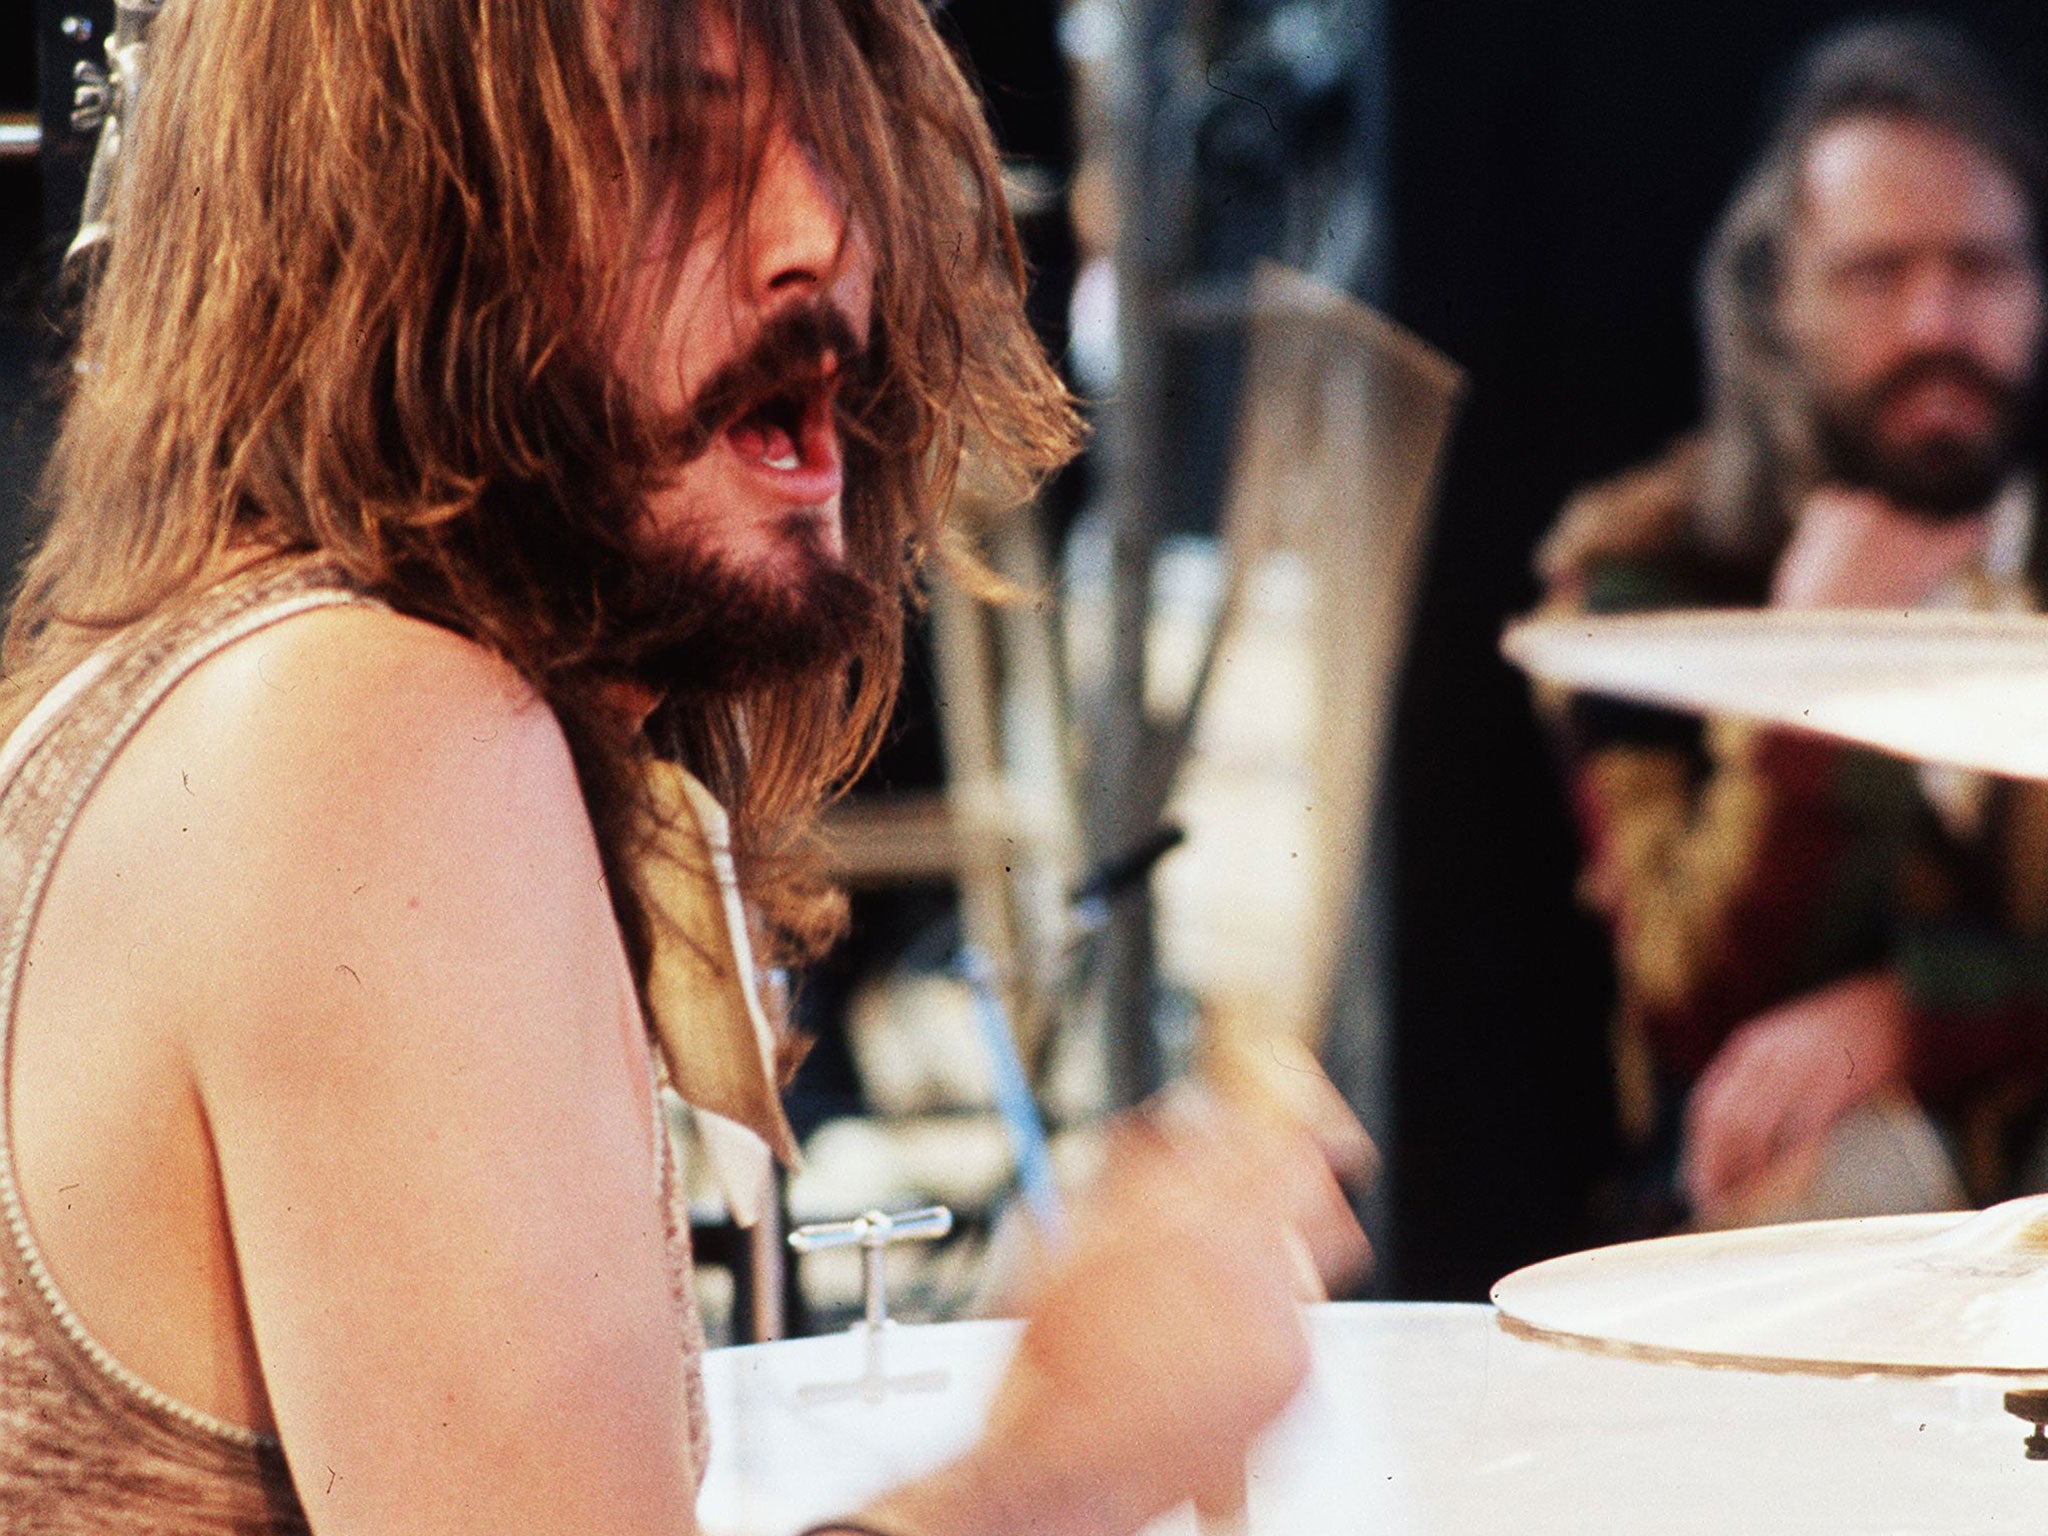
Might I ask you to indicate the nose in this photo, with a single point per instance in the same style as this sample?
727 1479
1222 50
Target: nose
1935 316
802 243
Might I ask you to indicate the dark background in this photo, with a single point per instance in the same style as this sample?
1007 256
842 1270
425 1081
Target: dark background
28 251
1555 165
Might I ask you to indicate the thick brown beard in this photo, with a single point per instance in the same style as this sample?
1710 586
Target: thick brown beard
1941 479
711 626
705 624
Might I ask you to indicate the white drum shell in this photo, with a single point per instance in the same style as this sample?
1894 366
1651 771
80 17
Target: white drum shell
1423 1419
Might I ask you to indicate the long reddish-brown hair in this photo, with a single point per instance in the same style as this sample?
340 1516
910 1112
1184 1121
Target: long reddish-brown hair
368 261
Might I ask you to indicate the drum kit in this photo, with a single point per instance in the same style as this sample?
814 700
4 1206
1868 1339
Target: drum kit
1883 1376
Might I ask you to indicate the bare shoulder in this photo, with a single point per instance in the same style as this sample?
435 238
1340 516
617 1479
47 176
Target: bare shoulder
379 686
348 725
343 785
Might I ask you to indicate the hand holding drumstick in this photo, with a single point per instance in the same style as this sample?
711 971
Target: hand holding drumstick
1168 1334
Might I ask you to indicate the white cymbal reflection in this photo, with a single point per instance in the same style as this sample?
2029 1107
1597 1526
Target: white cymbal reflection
1965 689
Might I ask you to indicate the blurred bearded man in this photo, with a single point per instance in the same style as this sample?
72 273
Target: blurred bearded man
505 436
1834 966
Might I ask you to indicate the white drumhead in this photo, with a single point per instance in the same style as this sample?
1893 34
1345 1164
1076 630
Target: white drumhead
1428 1421
810 1428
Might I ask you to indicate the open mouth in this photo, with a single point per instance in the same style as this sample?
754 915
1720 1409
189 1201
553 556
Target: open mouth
775 408
791 431
772 431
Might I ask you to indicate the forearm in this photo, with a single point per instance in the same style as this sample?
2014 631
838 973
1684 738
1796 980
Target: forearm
974 1496
1782 1080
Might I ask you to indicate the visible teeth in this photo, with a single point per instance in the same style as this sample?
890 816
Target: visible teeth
782 461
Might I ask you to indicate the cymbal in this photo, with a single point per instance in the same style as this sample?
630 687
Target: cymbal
1911 1295
1965 689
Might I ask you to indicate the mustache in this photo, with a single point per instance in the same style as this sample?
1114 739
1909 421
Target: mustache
1948 367
804 350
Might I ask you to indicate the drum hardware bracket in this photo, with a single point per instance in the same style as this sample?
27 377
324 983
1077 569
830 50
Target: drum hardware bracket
2031 1404
873 1232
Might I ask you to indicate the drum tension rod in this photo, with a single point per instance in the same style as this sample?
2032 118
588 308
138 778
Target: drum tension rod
2031 1404
873 1232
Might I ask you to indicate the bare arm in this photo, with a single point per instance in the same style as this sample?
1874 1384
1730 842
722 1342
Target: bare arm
413 1037
427 1085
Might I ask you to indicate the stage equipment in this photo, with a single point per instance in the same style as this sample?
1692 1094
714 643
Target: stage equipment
874 1233
1925 1294
104 103
1901 1295
1276 768
1232 130
1969 690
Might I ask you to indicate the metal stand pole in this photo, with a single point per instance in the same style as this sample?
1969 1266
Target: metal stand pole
1123 747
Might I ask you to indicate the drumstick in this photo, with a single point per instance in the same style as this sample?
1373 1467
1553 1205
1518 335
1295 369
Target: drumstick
1014 1099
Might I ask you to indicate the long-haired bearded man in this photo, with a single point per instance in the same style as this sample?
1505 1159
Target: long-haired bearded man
1832 962
487 411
